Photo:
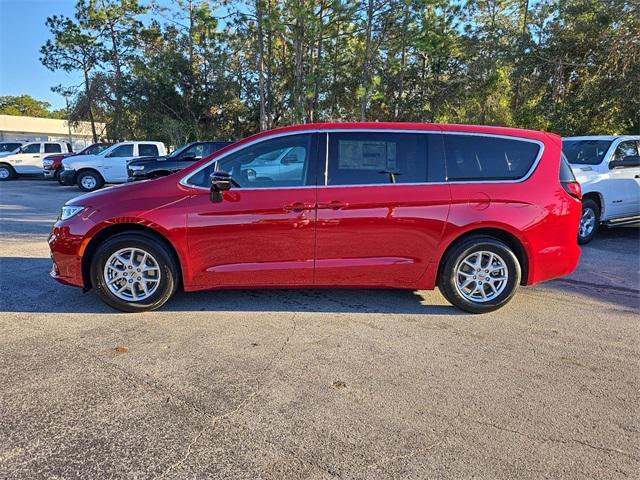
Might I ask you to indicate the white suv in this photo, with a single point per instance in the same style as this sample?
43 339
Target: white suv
608 169
91 172
28 158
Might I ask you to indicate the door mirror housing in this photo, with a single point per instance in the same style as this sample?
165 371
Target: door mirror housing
188 158
628 161
220 182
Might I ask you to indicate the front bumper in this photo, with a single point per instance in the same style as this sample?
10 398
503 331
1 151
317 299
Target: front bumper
48 173
68 177
67 241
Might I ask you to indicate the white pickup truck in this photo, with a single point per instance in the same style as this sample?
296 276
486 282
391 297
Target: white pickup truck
91 172
608 169
28 158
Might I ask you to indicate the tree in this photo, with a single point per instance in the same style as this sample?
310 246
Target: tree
25 105
73 49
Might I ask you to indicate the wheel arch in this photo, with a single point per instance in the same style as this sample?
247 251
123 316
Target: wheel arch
115 229
88 169
500 234
598 198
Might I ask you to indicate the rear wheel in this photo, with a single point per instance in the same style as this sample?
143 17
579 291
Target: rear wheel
479 275
7 172
89 180
134 272
589 222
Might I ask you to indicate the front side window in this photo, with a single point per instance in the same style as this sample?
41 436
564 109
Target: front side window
276 163
93 149
479 157
366 158
122 151
33 148
52 148
9 147
195 152
626 149
585 152
147 150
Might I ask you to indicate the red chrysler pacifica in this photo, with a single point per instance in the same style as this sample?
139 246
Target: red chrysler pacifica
476 211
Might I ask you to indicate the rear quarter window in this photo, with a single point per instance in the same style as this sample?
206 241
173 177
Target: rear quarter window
479 157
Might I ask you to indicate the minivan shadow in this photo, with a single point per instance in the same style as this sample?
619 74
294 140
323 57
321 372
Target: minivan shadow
27 287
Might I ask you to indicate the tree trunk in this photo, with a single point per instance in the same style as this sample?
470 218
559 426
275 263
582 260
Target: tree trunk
366 67
261 82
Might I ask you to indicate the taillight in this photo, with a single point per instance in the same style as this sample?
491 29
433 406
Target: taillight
573 189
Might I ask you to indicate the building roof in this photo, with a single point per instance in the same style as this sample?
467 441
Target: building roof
52 126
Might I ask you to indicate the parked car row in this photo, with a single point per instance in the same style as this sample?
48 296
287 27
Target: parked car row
100 163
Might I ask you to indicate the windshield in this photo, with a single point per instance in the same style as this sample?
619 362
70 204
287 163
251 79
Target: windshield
9 147
585 152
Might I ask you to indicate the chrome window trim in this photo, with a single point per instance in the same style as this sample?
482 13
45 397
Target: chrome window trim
183 181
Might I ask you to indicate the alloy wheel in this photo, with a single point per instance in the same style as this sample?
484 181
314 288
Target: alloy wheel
132 274
89 182
587 222
481 276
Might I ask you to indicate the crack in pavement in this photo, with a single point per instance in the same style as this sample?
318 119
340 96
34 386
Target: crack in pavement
556 440
215 419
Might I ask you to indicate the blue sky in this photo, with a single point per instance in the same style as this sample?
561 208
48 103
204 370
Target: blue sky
22 33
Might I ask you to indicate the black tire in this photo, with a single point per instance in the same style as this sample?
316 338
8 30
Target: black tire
592 206
447 281
169 278
7 172
56 176
85 175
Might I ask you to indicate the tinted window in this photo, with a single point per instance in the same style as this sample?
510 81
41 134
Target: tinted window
363 158
475 157
566 174
279 162
9 147
122 151
195 152
33 148
626 149
585 152
52 148
147 150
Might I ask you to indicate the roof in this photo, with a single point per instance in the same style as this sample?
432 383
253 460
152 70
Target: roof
53 126
603 137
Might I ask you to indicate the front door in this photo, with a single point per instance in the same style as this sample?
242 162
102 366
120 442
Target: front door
623 184
262 233
381 213
29 160
115 163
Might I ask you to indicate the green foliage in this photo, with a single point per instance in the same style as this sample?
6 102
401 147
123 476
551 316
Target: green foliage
24 105
195 69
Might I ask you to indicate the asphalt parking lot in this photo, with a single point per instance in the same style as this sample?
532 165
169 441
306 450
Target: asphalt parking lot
315 384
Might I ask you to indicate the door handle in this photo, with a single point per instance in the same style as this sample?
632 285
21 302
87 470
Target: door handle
637 176
298 207
334 205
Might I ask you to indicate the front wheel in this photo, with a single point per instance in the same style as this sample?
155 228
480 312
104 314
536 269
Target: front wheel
589 222
89 180
134 272
7 172
479 275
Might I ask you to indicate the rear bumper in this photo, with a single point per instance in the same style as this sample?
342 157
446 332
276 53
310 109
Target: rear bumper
68 177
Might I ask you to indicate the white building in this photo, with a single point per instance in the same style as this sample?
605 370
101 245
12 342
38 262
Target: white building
31 129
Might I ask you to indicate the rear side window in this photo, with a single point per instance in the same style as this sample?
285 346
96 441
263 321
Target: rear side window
147 150
365 158
478 157
52 148
585 152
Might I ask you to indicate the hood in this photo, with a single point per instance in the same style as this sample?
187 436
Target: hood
83 158
105 195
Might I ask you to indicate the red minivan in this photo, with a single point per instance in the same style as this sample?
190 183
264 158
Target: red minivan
476 211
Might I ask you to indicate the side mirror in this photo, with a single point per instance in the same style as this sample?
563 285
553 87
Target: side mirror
220 182
628 161
189 158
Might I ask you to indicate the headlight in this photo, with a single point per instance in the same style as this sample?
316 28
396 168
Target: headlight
136 168
66 167
47 163
69 211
